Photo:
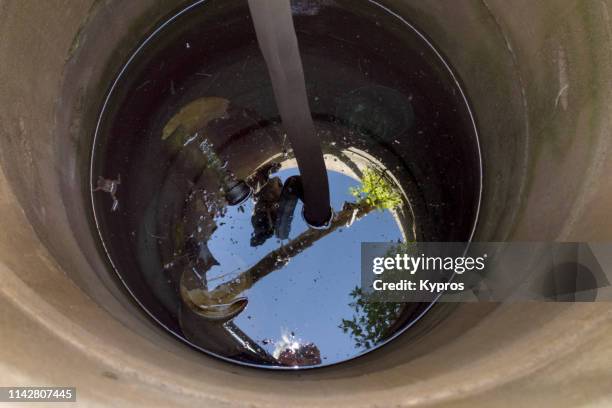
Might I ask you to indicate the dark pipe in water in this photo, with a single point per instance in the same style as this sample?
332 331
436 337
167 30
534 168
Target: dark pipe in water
273 23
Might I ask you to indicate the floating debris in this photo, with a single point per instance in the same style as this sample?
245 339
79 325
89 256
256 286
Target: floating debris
109 186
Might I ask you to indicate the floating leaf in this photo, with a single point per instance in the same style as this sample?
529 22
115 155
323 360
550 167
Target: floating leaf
196 115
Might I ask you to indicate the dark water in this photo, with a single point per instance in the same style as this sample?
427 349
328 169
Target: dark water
192 116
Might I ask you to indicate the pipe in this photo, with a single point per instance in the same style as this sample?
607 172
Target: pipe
273 23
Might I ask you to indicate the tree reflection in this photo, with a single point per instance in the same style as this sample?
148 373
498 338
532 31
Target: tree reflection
371 322
375 193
